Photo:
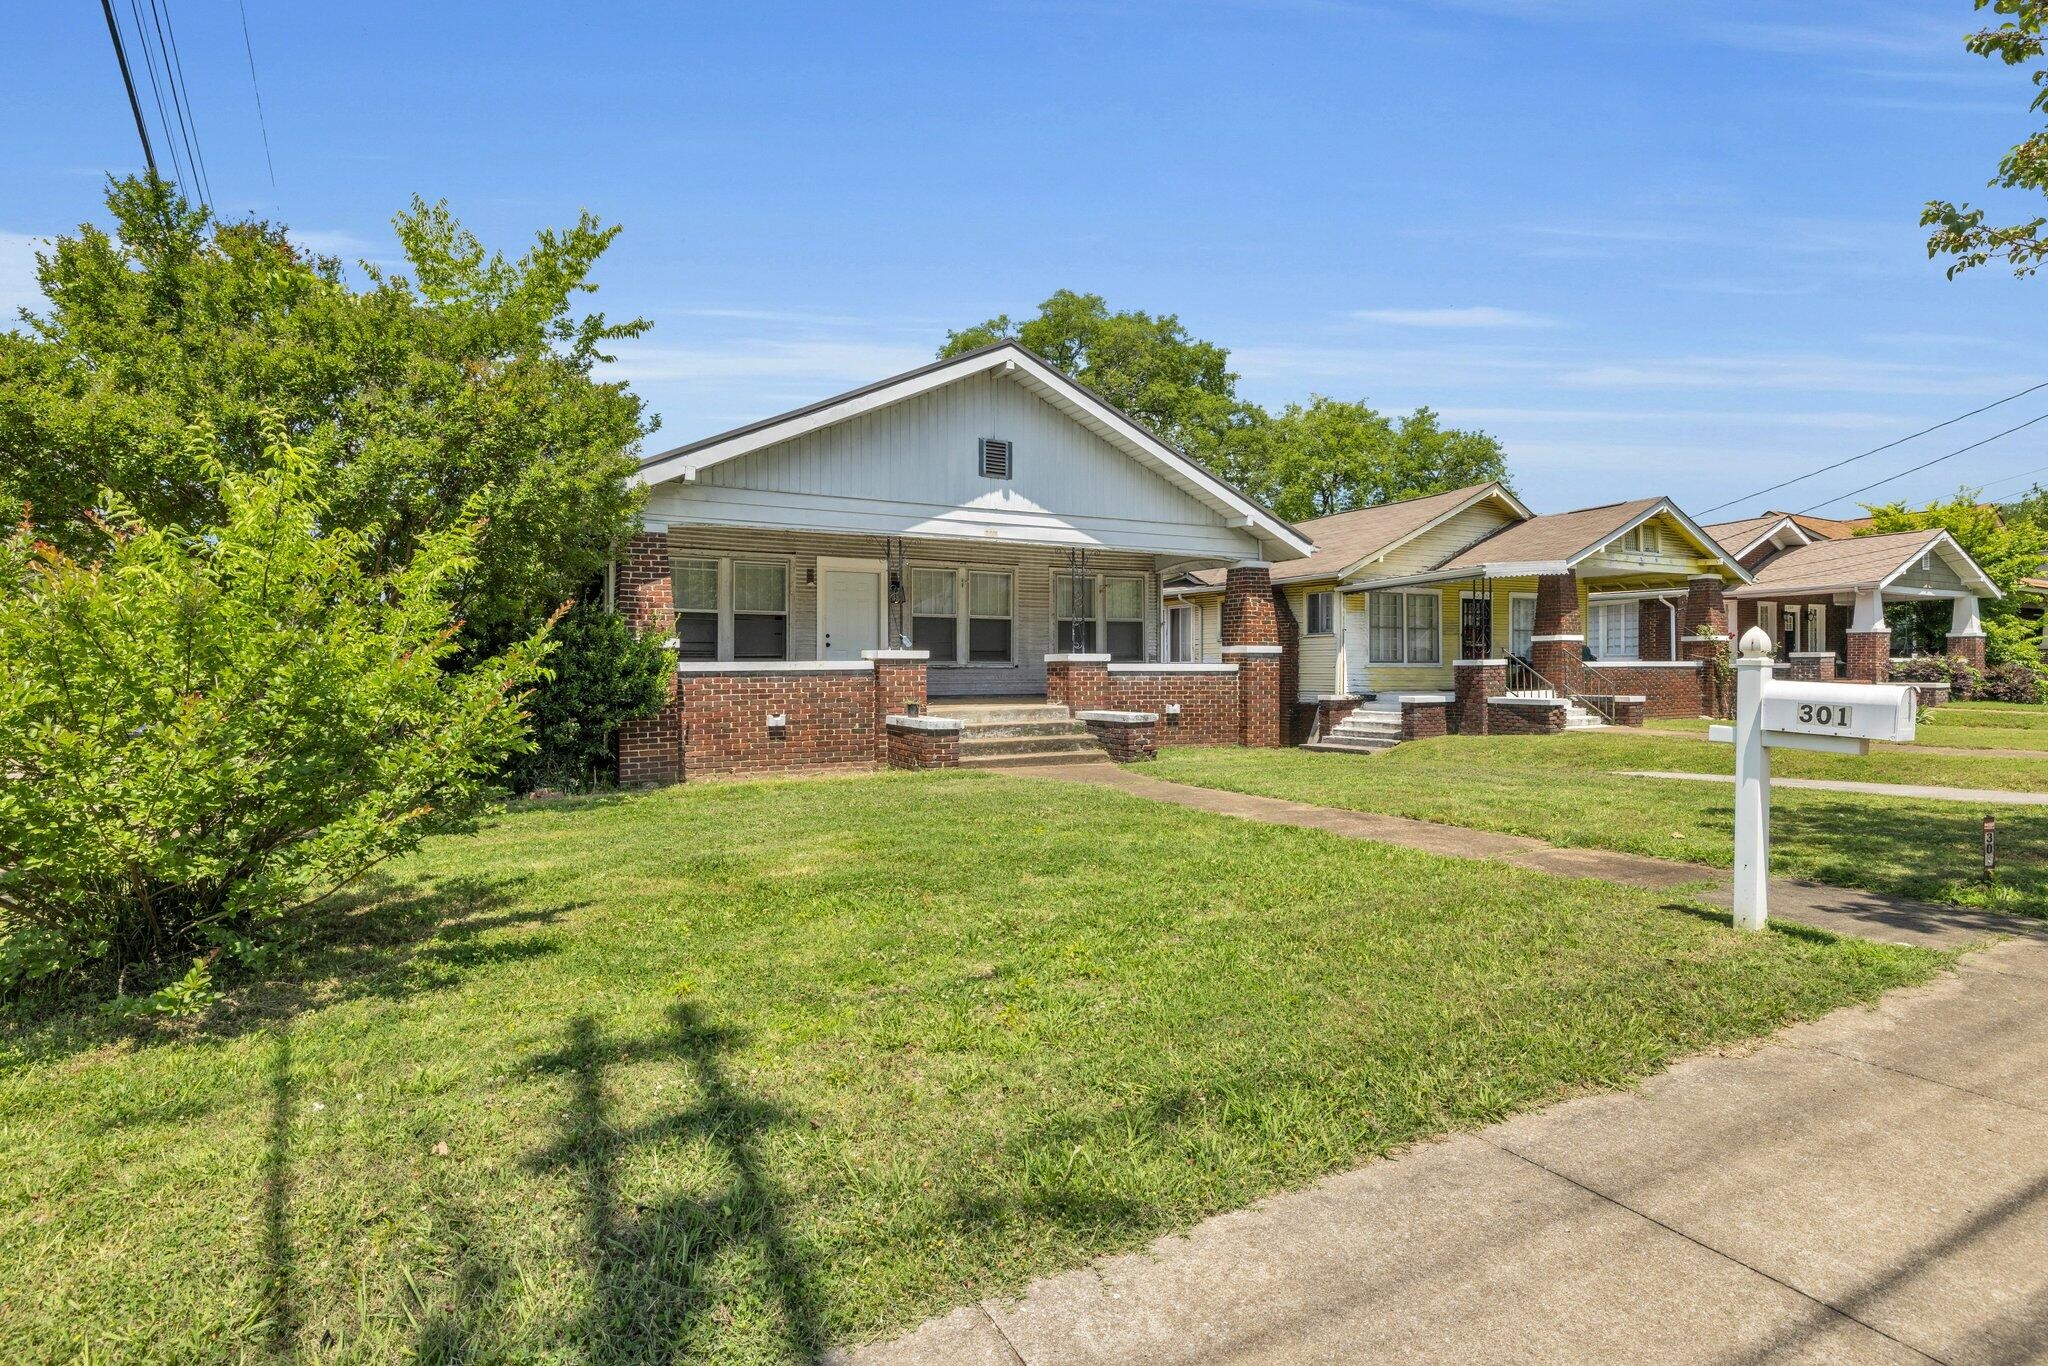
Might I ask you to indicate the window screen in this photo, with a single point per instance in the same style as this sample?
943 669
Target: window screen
988 618
935 614
696 590
1123 611
1385 643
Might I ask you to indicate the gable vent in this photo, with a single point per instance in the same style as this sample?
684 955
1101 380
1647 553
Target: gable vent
995 458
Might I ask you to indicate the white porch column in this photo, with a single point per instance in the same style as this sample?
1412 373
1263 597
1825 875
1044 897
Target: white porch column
1869 611
1341 682
1966 621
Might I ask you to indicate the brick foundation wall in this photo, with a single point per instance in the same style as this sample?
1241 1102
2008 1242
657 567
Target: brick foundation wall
1628 711
1208 702
1869 657
1477 680
1525 718
919 748
832 722
1969 649
1079 683
899 689
1425 720
1813 667
1668 690
1126 741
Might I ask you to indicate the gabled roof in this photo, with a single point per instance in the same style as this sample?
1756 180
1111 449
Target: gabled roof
1861 563
1344 540
1830 528
1740 537
1558 541
1106 420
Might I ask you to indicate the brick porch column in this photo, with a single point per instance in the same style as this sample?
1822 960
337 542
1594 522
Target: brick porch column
1252 641
1560 633
643 591
1966 634
1703 636
899 690
1477 680
1869 653
1078 682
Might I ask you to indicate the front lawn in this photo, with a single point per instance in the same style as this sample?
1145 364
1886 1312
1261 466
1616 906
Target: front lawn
738 1070
1565 789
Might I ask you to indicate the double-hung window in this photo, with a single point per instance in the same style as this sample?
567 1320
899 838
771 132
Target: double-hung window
1404 628
935 613
760 609
1613 630
988 617
1321 616
696 591
1123 617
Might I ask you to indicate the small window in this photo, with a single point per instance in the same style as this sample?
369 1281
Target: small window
1123 618
988 618
995 458
1319 613
1073 615
935 614
760 609
1384 642
696 590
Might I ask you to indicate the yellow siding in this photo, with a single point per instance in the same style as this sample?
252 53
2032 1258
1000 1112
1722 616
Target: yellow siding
1318 654
1438 677
1440 543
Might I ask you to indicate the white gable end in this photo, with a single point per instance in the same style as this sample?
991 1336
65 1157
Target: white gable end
912 468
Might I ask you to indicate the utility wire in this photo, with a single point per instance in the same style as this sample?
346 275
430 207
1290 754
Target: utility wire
1800 479
156 90
262 126
128 81
1925 464
2007 479
180 100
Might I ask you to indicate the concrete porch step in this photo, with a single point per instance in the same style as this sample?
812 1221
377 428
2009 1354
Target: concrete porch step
1000 713
1007 729
1070 741
1093 754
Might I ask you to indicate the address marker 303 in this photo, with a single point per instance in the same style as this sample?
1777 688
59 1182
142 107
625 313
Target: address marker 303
1771 713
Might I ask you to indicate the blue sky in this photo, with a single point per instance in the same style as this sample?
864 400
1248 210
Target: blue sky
1653 248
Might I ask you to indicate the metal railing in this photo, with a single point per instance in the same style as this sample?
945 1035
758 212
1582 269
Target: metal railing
1523 678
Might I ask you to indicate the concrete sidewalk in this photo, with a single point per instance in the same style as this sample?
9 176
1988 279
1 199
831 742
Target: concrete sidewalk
1872 1187
1843 910
1980 796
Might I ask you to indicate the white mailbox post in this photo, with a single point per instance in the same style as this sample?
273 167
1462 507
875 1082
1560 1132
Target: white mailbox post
1841 718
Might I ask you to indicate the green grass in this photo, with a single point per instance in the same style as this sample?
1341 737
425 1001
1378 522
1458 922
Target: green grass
1563 789
734 1071
1960 725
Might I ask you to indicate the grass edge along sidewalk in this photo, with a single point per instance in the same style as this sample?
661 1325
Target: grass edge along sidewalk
798 1063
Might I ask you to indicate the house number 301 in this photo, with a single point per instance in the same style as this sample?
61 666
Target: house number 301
1811 714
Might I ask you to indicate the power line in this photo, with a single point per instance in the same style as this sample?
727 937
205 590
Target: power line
1926 464
1875 450
2007 479
174 67
156 92
262 126
128 81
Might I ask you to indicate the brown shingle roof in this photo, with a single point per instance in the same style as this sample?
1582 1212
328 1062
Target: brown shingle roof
1735 537
1856 562
1344 538
1554 536
1830 528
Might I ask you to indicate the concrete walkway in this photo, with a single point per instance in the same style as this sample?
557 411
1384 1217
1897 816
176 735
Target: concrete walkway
1980 796
1843 910
1870 1187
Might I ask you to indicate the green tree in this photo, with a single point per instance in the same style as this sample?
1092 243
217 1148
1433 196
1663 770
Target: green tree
1332 456
461 376
603 675
1960 232
2006 550
209 727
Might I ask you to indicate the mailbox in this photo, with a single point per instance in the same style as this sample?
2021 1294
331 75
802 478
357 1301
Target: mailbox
1856 711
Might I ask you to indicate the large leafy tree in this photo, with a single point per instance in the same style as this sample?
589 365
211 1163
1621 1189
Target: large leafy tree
211 725
2006 549
1307 461
459 378
1961 232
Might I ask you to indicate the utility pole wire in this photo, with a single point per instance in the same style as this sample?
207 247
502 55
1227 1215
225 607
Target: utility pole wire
261 125
156 91
1925 464
174 67
1800 479
128 80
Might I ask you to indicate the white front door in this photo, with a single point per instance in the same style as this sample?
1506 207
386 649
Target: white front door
850 600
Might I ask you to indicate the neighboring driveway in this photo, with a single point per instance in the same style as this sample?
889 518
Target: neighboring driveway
1872 1186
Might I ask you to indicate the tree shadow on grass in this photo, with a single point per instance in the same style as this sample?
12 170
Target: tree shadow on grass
279 1297
661 1273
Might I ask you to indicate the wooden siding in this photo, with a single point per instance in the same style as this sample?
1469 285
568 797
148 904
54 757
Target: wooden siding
1677 555
1031 602
1316 655
1441 543
912 469
1938 576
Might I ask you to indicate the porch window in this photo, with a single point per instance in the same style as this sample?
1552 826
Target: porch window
696 588
760 609
1405 628
1613 630
1180 635
935 614
1073 613
1320 617
988 618
1521 624
1123 617
1816 627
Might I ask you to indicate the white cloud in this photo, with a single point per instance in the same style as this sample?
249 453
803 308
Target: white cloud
1480 316
18 287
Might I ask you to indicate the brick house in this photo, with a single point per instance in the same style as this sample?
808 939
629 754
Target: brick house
1820 588
958 564
1465 611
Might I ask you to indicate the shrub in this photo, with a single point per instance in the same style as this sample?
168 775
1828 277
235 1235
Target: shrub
210 729
2010 683
603 675
1923 669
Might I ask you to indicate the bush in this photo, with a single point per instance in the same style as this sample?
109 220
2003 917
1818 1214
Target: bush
1923 669
208 730
2010 683
604 675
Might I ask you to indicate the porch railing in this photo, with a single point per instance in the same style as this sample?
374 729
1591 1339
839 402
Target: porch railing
1523 678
